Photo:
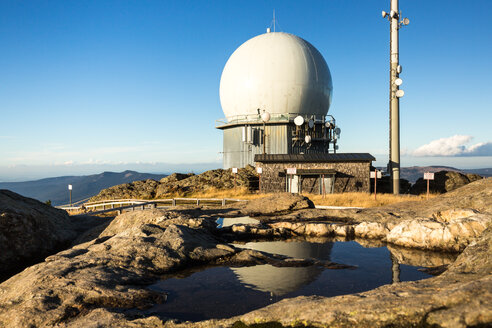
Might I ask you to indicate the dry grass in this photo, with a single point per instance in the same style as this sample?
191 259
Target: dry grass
74 212
359 199
352 199
106 214
239 192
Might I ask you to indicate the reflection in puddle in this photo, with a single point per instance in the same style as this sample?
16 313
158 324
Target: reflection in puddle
280 281
223 292
418 257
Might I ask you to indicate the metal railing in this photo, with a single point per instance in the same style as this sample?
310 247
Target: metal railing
120 205
275 117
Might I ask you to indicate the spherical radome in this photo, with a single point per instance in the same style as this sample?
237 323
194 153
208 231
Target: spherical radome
276 72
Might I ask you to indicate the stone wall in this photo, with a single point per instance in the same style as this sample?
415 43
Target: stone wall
349 177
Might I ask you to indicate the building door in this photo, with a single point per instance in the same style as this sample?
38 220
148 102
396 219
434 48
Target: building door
328 183
293 183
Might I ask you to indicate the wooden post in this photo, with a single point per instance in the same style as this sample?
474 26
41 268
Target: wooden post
375 181
259 170
234 172
174 202
427 188
323 187
428 176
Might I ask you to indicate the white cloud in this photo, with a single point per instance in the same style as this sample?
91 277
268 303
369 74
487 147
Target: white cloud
454 146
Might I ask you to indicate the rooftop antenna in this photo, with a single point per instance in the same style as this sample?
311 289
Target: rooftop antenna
274 20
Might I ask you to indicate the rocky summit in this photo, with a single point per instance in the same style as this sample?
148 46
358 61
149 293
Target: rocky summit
178 184
182 185
104 281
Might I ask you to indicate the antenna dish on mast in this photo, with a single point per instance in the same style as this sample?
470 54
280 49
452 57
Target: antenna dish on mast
265 116
299 120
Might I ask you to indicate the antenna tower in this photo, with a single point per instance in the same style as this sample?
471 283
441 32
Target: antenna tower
394 17
273 20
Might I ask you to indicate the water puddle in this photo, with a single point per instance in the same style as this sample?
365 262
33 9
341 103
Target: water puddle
222 292
227 222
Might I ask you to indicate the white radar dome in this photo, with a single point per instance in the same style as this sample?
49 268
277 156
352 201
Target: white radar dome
276 72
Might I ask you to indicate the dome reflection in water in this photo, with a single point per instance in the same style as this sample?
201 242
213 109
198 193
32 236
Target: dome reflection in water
222 292
280 280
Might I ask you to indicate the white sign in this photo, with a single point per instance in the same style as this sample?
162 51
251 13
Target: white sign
378 175
428 176
234 170
291 170
259 170
69 187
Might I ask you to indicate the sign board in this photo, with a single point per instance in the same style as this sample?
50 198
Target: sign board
259 170
428 176
378 175
291 170
69 187
234 170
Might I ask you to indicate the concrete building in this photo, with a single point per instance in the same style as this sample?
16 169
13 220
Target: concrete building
315 173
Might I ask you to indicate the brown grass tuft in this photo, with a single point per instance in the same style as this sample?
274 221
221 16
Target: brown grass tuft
349 199
360 199
352 199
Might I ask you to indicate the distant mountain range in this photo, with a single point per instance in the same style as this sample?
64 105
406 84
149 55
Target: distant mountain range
413 173
56 189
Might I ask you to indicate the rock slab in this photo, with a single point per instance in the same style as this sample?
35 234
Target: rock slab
276 204
30 229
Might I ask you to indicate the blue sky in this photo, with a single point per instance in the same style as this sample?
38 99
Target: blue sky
88 86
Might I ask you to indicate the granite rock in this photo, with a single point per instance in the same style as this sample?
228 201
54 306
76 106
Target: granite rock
31 230
276 204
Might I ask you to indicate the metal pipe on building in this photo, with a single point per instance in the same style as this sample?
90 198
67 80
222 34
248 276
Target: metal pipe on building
265 117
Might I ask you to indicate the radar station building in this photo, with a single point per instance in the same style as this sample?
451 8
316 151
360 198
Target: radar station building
275 91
